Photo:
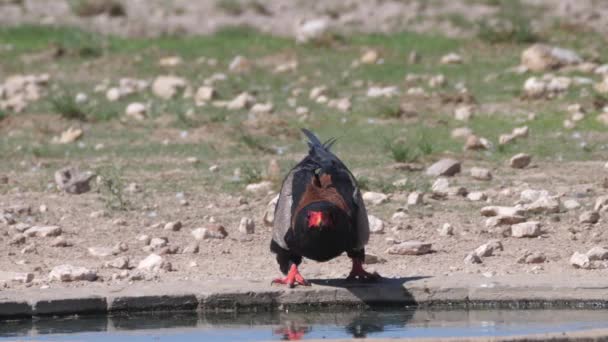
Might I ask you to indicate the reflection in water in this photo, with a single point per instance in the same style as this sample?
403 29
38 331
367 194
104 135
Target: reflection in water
262 326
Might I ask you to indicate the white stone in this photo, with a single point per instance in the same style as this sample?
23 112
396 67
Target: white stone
597 253
444 167
376 225
204 94
495 210
68 273
239 64
531 195
487 249
410 248
374 198
101 251
464 113
43 231
451 58
589 217
259 188
534 87
415 198
476 196
156 243
526 229
571 204
311 30
481 173
520 161
136 111
580 260
446 230
154 263
173 226
168 86
242 101
247 226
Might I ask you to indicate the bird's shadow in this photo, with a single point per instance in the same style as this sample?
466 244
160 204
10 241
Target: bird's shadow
380 292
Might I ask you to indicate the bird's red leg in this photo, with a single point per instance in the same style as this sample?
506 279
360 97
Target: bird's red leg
293 277
358 272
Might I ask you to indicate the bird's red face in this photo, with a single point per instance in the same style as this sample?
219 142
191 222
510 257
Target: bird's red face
317 219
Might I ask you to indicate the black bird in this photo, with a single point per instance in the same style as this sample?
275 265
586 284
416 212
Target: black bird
320 214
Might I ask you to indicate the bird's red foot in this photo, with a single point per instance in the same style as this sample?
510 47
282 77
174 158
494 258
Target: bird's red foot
293 277
358 273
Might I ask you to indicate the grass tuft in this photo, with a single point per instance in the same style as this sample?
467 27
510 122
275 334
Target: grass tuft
64 103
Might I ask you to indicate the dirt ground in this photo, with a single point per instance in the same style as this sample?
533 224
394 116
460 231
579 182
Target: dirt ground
171 188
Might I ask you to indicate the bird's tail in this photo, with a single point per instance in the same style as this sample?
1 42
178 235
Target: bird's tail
314 142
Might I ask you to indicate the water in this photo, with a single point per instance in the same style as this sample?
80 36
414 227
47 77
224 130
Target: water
314 325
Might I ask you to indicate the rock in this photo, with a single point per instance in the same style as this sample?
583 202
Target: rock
212 231
597 253
589 217
239 64
526 229
415 198
580 260
157 243
204 94
173 226
535 88
311 30
167 87
269 213
571 204
192 248
113 94
532 258
495 210
43 231
477 196
154 263
531 195
546 205
370 57
100 252
520 161
451 58
374 198
475 143
121 263
481 173
472 258
136 110
446 230
69 136
500 220
259 188
242 101
410 248
487 249
262 108
68 273
60 241
440 186
375 92
31 248
399 216
371 259
464 113
17 239
601 204
247 226
73 181
344 104
444 167
541 57
171 61
376 225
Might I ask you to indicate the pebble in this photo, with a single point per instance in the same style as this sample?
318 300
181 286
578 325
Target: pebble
481 173
415 198
494 210
374 198
100 251
464 113
451 58
168 86
477 196
192 248
410 248
526 229
580 260
60 241
156 243
472 258
121 263
589 217
444 167
446 230
532 258
43 231
67 273
173 226
487 249
212 231
571 204
520 161
73 181
376 225
154 263
371 259
246 226
259 188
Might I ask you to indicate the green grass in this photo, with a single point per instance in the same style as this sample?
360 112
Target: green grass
372 135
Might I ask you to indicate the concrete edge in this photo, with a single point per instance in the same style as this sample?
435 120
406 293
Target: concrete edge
245 296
